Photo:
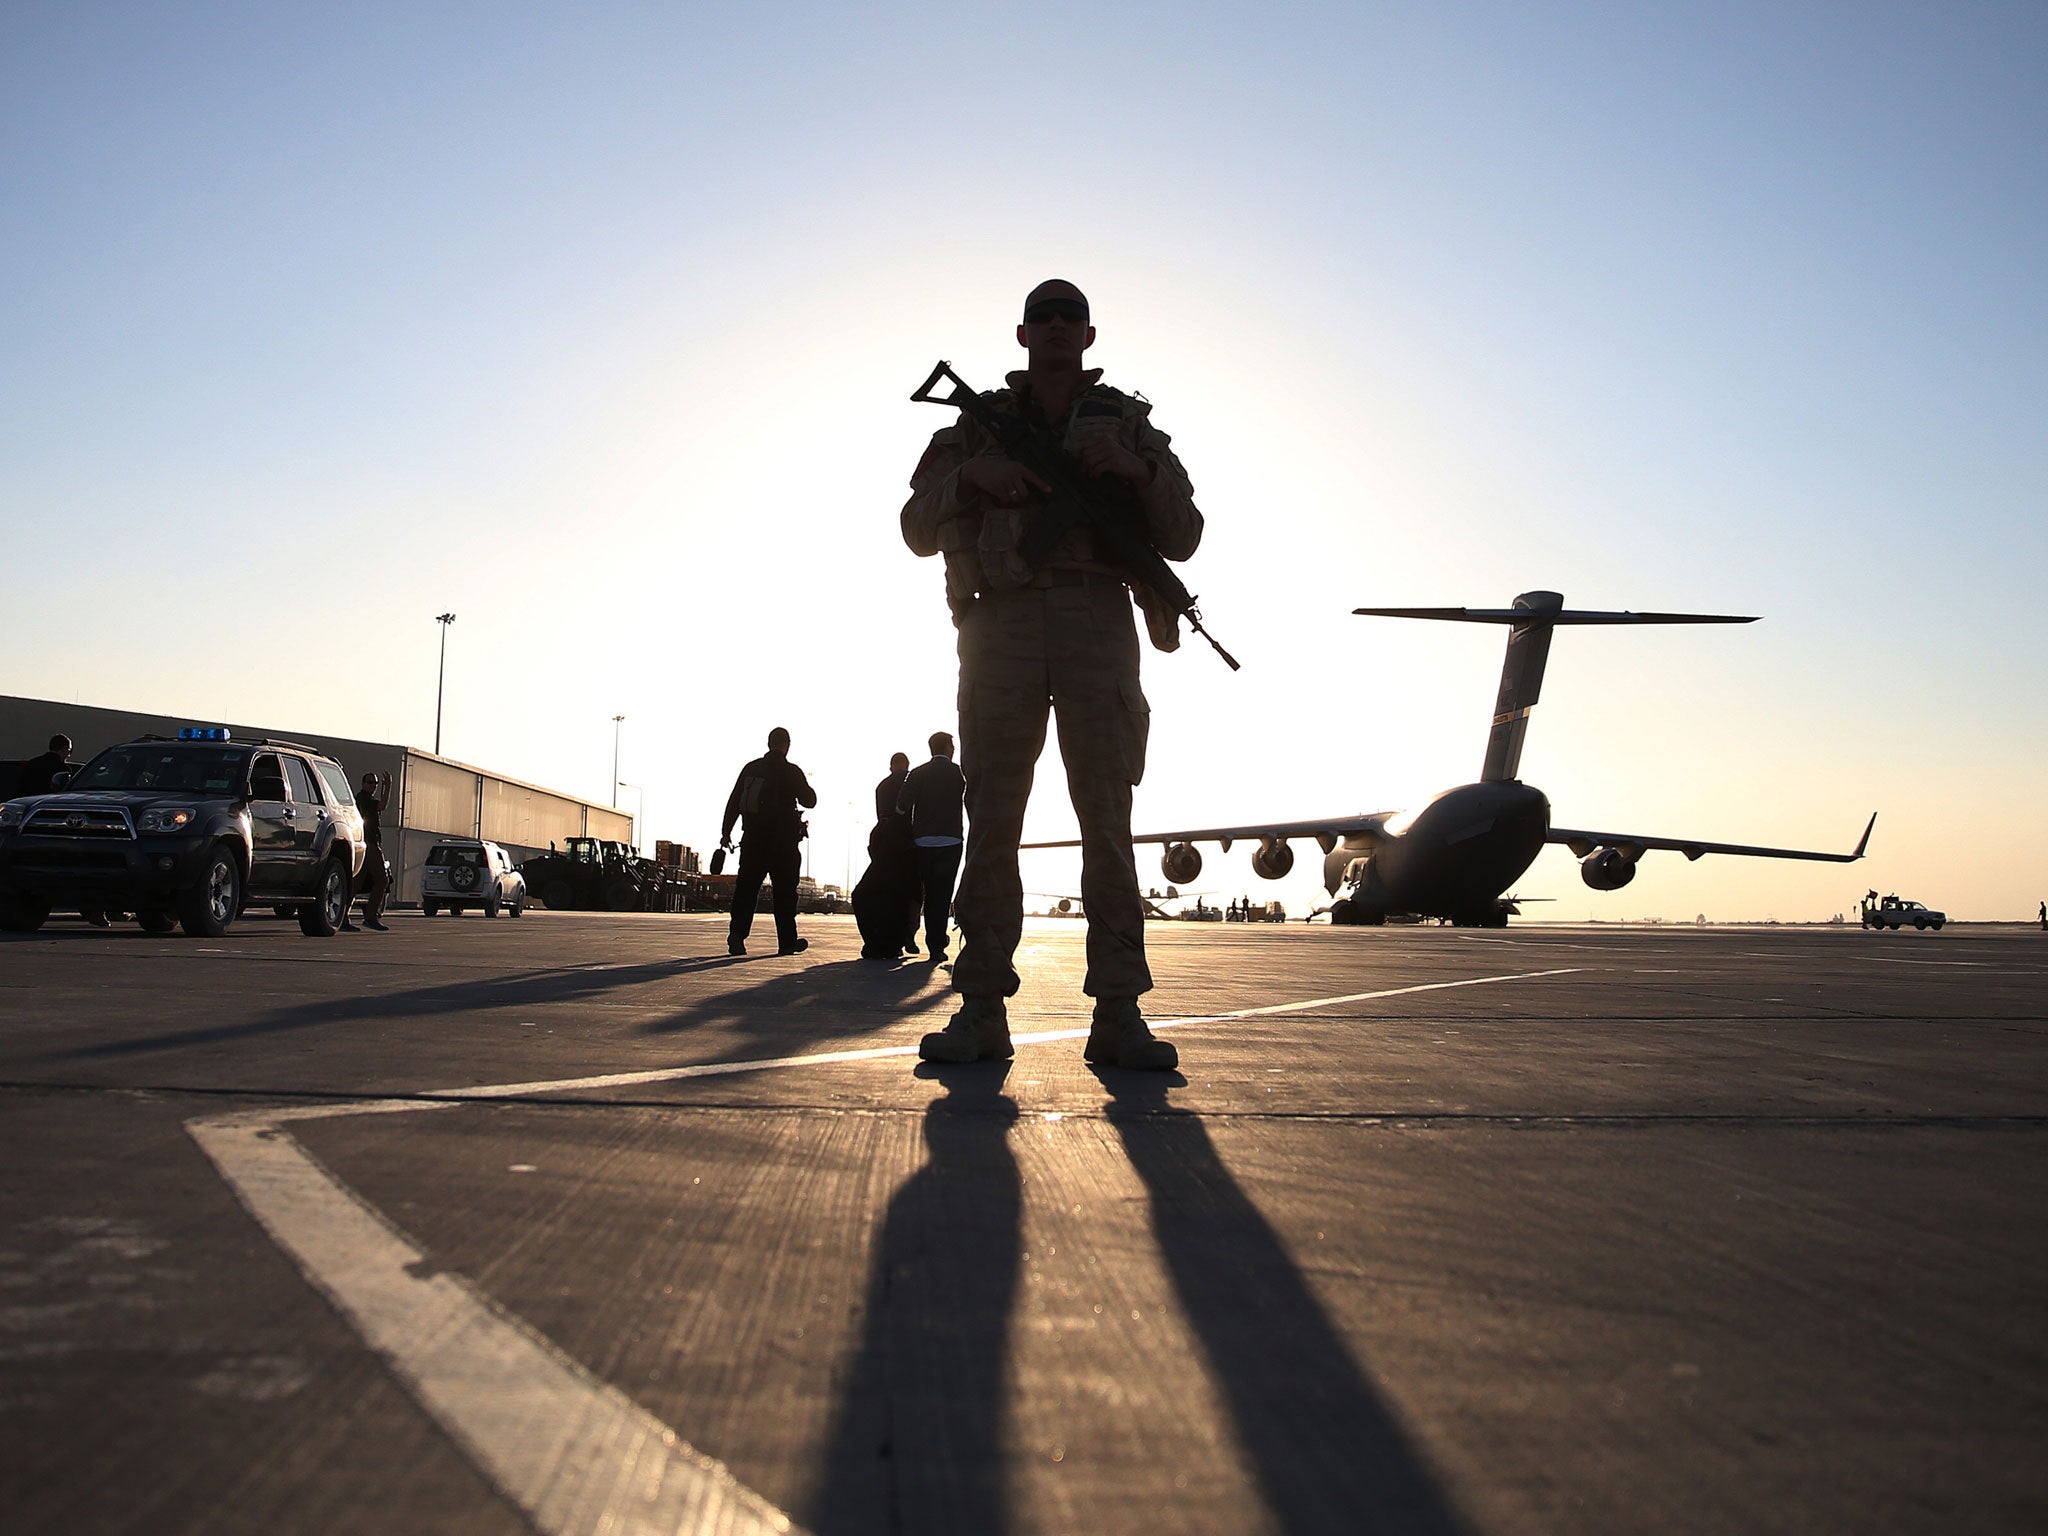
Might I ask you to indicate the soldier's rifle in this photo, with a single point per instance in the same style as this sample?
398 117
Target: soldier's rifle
1118 530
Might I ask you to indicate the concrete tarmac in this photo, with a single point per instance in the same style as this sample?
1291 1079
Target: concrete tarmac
572 1223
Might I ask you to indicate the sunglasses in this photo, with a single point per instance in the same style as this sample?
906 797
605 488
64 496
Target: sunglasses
1056 309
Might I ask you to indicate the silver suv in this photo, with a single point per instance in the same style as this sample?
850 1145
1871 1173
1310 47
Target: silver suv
462 874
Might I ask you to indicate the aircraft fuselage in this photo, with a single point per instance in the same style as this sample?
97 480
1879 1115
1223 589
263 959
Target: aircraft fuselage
1454 859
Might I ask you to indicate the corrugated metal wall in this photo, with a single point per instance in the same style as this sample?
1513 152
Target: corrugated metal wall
529 818
438 797
443 799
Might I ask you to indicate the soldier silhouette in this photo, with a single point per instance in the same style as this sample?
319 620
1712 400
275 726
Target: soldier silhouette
1054 638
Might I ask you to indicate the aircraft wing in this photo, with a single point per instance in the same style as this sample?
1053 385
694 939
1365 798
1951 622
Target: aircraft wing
1583 843
1328 832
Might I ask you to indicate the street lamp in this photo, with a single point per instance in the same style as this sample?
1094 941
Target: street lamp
617 721
441 683
639 810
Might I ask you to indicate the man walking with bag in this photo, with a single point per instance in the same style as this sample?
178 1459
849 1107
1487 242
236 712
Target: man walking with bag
766 797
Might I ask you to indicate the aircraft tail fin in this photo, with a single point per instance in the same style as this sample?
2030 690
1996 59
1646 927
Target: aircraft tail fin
1532 619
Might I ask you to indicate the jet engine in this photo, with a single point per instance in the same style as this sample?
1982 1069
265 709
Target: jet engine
1273 860
1183 862
1607 869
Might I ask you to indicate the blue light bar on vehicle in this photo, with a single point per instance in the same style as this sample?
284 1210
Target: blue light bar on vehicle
203 733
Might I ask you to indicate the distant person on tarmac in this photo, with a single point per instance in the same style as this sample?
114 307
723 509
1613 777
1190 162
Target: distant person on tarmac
2044 917
932 796
890 853
37 772
766 798
887 792
371 797
885 899
35 779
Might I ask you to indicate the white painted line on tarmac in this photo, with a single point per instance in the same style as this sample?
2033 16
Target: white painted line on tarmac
1981 965
876 1053
1361 997
576 1456
1468 938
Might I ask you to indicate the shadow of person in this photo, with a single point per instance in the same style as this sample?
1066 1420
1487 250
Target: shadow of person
813 1002
1329 1454
521 989
917 1445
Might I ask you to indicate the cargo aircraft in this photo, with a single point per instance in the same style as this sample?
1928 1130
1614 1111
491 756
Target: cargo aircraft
1453 858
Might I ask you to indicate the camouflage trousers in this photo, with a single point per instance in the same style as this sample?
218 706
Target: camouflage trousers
1070 649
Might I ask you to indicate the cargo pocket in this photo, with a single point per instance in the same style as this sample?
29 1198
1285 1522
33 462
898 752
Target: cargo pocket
1137 722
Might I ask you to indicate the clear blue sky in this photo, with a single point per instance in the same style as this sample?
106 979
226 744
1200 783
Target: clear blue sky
594 324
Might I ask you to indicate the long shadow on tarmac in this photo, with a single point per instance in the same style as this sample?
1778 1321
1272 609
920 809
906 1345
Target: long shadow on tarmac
1330 1456
560 984
918 1444
816 1002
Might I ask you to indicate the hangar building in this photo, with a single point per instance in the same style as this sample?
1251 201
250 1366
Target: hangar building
431 797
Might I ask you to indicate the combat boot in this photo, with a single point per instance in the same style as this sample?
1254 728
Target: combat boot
1119 1037
980 1031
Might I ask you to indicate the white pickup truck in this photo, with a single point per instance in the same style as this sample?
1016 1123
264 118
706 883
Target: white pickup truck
1894 913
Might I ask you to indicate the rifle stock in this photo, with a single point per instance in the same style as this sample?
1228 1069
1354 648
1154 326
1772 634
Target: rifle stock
1117 529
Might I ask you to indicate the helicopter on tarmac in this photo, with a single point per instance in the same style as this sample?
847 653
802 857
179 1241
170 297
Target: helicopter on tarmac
1453 858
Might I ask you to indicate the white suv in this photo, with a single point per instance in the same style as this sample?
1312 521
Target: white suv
461 874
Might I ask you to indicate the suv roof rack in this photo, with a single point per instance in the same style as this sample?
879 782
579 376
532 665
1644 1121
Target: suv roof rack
246 741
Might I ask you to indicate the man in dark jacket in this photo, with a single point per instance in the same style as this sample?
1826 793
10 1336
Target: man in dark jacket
891 789
766 797
34 779
932 797
37 772
885 901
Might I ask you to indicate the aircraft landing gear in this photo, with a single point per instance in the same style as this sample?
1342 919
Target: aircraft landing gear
1497 918
1347 913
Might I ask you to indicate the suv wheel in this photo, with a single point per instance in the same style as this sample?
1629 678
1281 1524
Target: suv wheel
322 917
22 914
491 904
207 907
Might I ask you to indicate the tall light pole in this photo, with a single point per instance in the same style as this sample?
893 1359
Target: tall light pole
617 721
639 813
441 684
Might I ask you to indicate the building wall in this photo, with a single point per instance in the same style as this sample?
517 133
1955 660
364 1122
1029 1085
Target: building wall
439 798
431 797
